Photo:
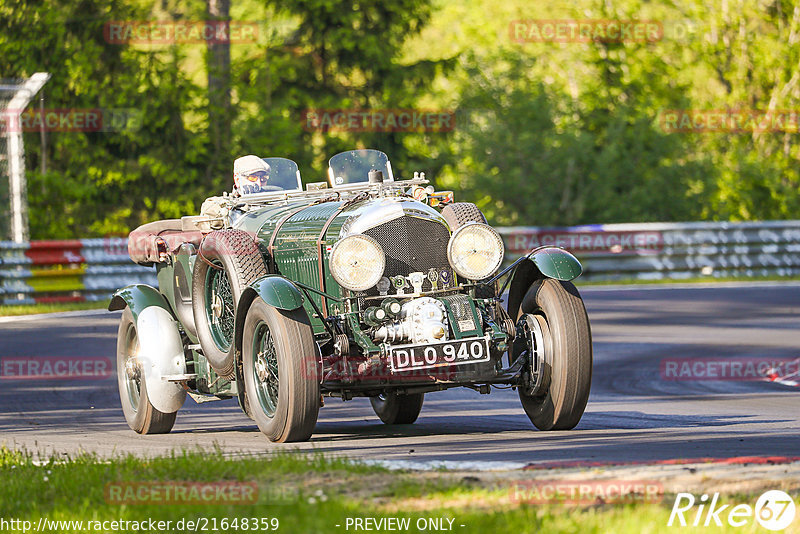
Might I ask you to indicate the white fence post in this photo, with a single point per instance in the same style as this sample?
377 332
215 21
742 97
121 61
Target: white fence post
22 96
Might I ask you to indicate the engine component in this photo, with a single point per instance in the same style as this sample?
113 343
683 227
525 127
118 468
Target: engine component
391 306
466 321
342 345
510 328
422 320
374 316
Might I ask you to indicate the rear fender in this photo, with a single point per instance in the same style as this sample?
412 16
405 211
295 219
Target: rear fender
161 355
542 262
160 346
137 297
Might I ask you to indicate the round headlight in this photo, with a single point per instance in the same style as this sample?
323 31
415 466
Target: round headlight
475 251
357 262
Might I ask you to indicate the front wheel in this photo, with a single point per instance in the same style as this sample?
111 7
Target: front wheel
394 409
554 321
140 415
281 375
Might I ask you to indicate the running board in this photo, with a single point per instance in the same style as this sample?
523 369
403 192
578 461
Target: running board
200 399
179 378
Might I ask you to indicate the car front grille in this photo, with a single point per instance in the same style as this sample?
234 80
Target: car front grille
413 244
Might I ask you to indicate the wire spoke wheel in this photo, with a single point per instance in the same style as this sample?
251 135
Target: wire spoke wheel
220 309
280 367
265 369
228 262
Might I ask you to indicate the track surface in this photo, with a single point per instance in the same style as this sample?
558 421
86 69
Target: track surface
633 414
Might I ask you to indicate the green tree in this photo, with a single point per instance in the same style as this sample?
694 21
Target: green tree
101 182
337 55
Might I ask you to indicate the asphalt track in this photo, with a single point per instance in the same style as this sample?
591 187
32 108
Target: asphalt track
634 414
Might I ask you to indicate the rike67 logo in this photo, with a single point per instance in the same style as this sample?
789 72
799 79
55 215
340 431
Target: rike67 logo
774 510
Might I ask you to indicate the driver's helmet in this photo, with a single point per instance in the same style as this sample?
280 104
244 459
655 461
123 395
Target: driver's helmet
250 175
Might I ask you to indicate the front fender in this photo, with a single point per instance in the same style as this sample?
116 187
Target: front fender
276 291
542 262
554 262
137 297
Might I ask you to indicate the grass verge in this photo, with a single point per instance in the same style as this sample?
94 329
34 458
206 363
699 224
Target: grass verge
31 309
295 493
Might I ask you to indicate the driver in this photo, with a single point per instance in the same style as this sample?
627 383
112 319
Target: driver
250 175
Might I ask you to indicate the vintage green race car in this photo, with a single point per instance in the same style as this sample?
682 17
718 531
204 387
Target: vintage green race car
360 286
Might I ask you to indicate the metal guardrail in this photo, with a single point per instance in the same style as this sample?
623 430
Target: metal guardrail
91 269
655 251
67 271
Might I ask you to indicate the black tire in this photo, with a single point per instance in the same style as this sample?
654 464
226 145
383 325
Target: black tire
237 263
561 400
140 415
458 214
396 409
285 407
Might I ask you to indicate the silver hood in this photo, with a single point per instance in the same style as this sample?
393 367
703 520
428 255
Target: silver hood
382 210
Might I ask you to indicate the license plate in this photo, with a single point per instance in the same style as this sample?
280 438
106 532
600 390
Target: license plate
445 353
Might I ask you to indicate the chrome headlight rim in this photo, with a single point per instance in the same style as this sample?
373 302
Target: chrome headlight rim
372 278
492 267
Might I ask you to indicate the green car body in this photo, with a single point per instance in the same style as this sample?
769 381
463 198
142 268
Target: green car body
364 345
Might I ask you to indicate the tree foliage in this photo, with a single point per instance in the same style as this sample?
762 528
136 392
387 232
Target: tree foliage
547 133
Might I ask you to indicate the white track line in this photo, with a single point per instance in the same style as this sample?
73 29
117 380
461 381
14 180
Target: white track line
54 315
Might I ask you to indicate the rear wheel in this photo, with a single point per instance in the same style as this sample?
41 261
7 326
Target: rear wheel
281 375
394 409
552 323
140 415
